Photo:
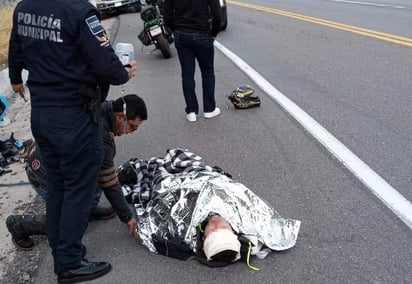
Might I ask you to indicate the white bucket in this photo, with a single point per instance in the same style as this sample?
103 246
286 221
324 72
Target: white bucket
125 52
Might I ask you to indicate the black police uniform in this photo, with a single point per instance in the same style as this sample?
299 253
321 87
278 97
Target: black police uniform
64 47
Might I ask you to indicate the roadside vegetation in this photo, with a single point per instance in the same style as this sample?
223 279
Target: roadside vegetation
6 13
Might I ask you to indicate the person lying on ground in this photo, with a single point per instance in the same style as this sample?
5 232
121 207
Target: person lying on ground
119 117
187 208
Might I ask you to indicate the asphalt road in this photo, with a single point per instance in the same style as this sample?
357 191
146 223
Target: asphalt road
356 86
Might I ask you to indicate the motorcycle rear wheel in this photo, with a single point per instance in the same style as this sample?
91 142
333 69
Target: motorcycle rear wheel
163 45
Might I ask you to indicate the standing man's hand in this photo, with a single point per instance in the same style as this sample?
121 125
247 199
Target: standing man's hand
132 226
18 88
131 68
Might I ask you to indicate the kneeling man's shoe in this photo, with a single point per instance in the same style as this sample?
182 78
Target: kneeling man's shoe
87 271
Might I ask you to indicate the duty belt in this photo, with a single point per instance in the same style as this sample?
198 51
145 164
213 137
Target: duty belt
94 101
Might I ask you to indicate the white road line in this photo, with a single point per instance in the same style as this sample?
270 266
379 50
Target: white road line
369 3
384 191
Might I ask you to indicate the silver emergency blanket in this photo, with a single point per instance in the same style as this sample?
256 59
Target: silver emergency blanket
180 201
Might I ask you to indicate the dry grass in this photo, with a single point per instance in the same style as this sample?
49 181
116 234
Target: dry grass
6 14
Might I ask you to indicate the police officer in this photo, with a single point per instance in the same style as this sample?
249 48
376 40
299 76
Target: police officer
71 64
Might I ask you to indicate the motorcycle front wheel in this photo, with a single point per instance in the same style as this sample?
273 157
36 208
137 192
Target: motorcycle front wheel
163 45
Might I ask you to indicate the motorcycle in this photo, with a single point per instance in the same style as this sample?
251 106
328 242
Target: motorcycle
154 30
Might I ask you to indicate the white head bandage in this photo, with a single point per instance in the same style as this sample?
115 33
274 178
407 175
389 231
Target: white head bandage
221 240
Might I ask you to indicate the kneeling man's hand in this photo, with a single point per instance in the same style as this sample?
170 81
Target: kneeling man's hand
132 226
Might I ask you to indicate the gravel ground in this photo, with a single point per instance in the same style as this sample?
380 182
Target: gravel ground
24 266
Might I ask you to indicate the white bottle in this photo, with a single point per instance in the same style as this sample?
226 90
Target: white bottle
125 52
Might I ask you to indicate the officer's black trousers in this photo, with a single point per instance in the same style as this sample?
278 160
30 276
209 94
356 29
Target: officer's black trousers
71 149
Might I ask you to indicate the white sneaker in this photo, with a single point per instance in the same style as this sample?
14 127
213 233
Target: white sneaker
214 113
191 116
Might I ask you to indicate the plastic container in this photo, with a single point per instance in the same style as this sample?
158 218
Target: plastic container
125 52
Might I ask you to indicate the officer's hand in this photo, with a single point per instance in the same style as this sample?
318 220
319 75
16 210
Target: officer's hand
18 88
132 226
132 68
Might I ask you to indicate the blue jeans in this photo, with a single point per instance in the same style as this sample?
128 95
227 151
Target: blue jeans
191 47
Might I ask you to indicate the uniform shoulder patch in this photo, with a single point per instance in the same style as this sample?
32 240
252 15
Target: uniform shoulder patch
94 25
98 31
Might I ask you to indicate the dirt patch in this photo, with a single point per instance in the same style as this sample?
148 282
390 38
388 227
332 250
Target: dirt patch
6 14
15 194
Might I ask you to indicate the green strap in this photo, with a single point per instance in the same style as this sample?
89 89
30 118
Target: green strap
200 227
248 258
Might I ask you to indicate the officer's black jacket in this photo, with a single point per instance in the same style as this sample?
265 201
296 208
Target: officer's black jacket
63 46
193 15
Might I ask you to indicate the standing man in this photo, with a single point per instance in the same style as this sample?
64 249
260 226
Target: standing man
194 37
71 64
